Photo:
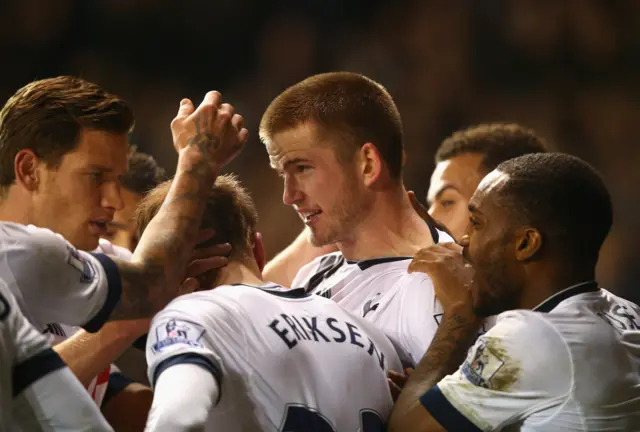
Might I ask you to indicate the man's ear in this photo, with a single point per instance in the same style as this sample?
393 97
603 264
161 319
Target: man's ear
528 243
258 250
372 164
25 166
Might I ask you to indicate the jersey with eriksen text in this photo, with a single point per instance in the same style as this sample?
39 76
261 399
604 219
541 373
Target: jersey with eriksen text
283 359
380 290
571 364
35 384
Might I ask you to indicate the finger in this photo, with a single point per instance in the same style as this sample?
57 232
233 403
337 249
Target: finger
394 390
450 247
210 251
408 371
238 122
422 266
185 109
203 265
397 377
223 119
189 285
204 235
213 98
243 135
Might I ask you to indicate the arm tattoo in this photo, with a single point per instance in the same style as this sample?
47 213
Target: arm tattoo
152 280
445 354
138 285
204 140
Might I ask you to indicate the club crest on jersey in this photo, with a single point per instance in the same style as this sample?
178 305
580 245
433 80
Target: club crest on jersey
177 331
482 366
76 261
371 305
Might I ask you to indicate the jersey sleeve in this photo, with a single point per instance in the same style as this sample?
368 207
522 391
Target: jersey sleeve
182 334
58 283
33 377
518 366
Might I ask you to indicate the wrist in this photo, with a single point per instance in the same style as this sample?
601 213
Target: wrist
127 330
463 311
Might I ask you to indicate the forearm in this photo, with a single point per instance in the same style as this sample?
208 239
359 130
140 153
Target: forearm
445 354
184 396
58 402
88 354
128 410
158 266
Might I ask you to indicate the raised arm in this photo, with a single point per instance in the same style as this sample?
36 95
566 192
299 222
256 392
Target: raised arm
206 139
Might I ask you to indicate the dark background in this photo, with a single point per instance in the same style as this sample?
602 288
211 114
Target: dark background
568 68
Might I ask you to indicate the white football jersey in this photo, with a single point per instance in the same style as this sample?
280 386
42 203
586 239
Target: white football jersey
284 359
53 282
35 384
59 332
571 364
380 290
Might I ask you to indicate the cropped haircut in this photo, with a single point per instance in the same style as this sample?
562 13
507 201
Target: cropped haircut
47 116
496 142
348 110
563 197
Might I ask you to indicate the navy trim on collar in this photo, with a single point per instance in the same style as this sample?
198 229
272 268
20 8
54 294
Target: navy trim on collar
277 290
549 304
434 233
365 264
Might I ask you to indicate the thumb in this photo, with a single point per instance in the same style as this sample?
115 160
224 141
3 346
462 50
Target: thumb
186 108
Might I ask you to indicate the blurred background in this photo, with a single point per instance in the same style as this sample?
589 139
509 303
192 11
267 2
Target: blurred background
567 68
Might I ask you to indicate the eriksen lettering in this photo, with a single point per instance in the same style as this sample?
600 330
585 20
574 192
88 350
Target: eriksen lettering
292 329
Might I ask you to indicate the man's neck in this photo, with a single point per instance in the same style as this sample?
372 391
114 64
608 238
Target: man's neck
548 281
239 273
15 210
392 228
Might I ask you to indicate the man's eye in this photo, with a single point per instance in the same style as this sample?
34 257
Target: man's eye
302 168
447 203
97 177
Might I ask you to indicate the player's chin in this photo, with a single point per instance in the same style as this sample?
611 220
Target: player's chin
88 242
319 239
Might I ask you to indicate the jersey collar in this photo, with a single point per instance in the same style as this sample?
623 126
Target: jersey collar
549 304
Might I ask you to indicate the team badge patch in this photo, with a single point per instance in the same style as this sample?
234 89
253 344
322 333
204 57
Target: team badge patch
371 305
76 261
177 331
482 366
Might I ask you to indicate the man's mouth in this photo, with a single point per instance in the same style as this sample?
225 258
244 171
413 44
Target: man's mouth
99 227
308 216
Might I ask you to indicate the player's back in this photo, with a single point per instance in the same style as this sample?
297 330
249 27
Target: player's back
289 361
